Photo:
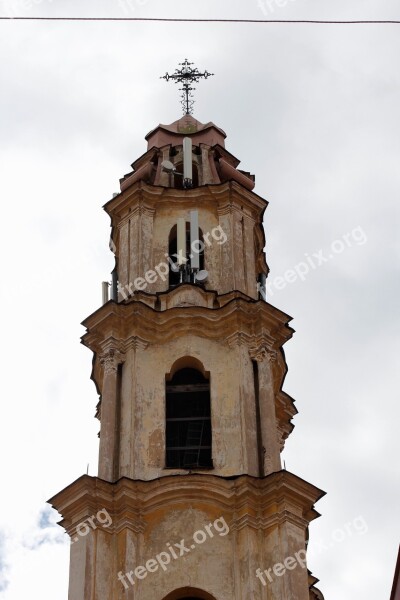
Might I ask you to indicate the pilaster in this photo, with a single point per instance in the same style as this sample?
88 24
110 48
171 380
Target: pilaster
269 425
110 361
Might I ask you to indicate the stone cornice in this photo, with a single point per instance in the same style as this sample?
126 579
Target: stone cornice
255 320
224 196
259 503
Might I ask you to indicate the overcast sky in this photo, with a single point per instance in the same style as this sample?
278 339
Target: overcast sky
313 111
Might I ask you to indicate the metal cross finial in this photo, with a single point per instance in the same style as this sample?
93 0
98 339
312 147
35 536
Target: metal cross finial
187 76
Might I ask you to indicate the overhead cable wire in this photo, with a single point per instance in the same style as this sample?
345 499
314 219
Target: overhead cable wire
188 20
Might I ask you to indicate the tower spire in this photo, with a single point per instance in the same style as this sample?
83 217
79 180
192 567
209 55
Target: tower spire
189 366
186 76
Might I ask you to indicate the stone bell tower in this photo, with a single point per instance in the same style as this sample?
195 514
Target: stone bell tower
189 366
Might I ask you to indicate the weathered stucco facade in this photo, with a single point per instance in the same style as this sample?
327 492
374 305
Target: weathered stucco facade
241 514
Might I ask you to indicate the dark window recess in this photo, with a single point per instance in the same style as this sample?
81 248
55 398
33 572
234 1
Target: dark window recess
174 273
178 181
188 425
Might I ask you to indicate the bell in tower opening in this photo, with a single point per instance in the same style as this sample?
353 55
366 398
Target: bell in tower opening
189 367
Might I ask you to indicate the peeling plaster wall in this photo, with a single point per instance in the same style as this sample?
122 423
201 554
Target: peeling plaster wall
224 566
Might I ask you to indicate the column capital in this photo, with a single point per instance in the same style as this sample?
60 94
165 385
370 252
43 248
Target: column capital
110 360
259 348
262 353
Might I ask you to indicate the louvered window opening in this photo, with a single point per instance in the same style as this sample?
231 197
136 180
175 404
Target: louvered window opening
188 421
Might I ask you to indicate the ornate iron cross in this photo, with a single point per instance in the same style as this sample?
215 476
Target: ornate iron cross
187 76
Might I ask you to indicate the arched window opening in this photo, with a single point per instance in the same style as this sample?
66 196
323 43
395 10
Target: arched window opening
182 275
188 421
189 594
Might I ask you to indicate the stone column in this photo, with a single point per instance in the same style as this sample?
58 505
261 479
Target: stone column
268 422
127 429
108 430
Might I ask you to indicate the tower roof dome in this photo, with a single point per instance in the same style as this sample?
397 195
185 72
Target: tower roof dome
206 133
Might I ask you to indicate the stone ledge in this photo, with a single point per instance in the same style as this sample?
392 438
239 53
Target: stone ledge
258 503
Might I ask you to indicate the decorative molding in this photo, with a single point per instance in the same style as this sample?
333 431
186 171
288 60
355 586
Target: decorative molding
146 210
263 351
259 346
239 338
245 500
239 317
272 356
93 341
224 209
258 353
111 359
135 343
141 209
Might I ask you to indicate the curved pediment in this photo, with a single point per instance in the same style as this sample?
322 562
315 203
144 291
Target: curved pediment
187 295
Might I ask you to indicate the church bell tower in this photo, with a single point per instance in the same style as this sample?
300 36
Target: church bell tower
190 500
